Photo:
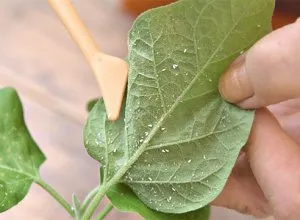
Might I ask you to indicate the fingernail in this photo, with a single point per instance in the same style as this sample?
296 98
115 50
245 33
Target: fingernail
235 85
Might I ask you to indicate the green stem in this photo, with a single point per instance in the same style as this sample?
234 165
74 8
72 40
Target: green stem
88 199
55 195
96 201
106 186
105 212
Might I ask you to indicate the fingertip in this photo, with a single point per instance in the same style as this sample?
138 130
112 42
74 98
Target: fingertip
234 85
252 102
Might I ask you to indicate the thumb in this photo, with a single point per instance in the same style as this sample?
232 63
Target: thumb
268 73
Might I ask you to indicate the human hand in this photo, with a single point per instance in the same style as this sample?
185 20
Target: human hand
266 178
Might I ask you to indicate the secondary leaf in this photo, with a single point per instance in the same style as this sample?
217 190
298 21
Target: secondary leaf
122 197
76 206
20 157
91 104
177 139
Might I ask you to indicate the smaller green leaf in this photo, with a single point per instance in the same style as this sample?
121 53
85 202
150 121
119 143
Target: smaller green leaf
76 205
20 157
91 104
75 201
124 199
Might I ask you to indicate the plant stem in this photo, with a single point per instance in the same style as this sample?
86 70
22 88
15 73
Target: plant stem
105 212
88 199
96 201
55 195
106 185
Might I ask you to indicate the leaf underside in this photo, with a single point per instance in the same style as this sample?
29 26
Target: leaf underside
20 158
177 139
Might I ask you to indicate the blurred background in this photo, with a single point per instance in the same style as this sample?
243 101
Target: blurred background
39 59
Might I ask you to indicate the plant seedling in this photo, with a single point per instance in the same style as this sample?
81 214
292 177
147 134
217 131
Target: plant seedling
176 141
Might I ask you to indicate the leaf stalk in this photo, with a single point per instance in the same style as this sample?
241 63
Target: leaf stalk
88 199
105 212
56 196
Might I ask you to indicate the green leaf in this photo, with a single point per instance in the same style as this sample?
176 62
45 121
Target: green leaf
177 139
76 206
76 202
91 104
122 197
20 157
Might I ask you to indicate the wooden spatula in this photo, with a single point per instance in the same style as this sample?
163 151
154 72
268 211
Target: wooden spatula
110 72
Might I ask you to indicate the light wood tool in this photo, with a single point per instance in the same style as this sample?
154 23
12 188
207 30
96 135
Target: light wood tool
110 72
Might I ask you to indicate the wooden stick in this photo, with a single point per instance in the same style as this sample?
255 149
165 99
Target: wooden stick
110 72
70 18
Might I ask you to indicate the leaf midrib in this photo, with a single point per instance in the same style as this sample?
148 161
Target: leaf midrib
18 172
